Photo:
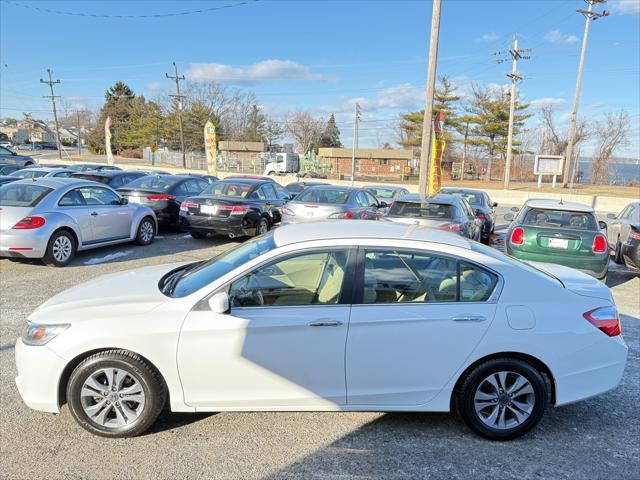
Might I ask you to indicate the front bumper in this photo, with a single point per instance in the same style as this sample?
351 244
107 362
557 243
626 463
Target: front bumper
39 372
24 243
596 266
236 225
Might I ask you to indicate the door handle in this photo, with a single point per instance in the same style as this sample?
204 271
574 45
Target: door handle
325 323
94 214
469 318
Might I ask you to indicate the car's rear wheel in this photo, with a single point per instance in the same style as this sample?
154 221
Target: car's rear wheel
115 393
198 234
503 398
263 226
618 253
60 250
146 231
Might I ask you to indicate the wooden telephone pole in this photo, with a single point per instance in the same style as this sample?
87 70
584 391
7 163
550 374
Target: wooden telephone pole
53 97
179 98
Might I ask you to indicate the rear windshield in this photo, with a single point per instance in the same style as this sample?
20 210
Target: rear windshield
29 173
323 195
537 217
382 192
95 178
153 183
228 189
422 210
22 194
472 198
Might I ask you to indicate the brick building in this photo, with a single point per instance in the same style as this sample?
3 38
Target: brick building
241 156
370 162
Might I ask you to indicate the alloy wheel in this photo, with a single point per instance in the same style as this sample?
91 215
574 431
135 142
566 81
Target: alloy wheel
146 231
61 249
504 400
112 397
263 227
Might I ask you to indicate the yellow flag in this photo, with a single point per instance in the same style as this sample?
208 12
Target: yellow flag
211 147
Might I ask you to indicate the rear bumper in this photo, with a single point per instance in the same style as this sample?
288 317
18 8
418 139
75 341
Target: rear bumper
240 226
24 243
596 266
39 371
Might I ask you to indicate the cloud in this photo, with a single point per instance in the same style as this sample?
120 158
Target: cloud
625 6
556 36
553 101
251 74
153 86
488 37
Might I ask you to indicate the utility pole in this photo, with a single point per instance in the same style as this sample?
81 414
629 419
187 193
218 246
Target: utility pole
568 162
78 135
356 120
515 53
53 97
179 98
427 123
464 150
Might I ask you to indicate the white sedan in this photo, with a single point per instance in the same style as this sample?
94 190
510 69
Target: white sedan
331 316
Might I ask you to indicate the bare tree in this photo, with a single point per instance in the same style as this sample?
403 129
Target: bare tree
272 132
304 128
612 133
554 141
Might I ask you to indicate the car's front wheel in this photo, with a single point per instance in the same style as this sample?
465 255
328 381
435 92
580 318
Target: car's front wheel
503 398
115 393
618 253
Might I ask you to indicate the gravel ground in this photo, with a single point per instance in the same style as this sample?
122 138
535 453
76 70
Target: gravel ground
594 439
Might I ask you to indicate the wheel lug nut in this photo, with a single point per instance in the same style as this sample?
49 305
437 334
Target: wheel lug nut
120 395
108 402
117 404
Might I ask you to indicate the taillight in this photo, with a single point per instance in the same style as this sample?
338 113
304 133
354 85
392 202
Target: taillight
235 209
481 217
29 223
452 227
605 319
163 196
185 206
288 211
517 236
347 215
634 235
599 244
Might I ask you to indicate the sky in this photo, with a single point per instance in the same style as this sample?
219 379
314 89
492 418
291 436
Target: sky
321 56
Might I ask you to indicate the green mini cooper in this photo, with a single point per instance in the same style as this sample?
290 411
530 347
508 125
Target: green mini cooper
559 232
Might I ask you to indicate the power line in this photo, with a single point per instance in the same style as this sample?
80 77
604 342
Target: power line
53 97
156 15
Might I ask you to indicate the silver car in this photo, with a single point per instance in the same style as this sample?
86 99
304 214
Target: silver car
52 218
444 212
39 172
332 202
387 193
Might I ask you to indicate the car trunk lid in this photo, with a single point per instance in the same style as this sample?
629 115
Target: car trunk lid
9 216
558 241
309 211
576 281
214 206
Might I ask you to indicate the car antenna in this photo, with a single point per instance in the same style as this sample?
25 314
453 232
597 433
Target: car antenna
561 201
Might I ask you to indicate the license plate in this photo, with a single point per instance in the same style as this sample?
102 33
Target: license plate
558 243
210 209
135 199
309 213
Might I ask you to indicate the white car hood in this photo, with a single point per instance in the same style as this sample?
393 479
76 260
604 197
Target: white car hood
577 281
127 293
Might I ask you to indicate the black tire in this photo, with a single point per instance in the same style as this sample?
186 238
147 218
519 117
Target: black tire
146 227
618 253
155 393
466 396
58 239
198 234
263 226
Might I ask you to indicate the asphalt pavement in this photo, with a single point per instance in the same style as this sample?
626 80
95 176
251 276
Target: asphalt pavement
595 439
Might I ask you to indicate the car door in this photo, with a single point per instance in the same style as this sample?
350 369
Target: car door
415 319
363 206
110 220
272 201
73 205
282 343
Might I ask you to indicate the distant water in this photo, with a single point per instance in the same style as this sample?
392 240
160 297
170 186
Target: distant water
619 173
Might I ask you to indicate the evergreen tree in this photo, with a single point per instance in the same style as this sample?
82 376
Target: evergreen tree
331 135
117 91
256 125
119 100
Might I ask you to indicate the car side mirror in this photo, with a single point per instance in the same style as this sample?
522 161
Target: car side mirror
602 225
515 209
494 204
382 205
611 216
219 303
124 201
509 217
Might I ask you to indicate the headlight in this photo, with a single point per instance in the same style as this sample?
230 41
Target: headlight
41 334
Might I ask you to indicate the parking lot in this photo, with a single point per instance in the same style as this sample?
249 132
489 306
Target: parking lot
597 438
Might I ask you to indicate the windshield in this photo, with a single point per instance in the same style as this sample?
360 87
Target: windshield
422 210
22 194
324 195
228 189
187 281
382 193
152 183
537 217
472 198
